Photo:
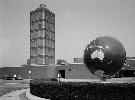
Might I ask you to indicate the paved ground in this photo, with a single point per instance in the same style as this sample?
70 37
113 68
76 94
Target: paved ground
15 95
7 86
23 96
112 80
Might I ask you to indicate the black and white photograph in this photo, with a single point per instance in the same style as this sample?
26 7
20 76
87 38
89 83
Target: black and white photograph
67 49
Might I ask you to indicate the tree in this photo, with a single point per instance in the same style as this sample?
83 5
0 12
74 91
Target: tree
28 61
61 62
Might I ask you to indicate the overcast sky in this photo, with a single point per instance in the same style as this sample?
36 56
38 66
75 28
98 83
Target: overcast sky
77 23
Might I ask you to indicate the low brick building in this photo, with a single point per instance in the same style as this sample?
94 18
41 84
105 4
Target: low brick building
33 72
11 71
75 71
70 71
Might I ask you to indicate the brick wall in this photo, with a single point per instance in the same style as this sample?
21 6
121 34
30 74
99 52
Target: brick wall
76 71
10 71
36 72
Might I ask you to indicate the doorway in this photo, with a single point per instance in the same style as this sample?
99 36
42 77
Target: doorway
62 73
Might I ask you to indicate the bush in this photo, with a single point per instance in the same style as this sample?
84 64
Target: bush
82 90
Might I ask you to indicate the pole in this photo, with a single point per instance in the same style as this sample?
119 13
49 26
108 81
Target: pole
29 76
59 77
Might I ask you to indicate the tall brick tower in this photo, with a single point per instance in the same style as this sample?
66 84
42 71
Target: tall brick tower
42 36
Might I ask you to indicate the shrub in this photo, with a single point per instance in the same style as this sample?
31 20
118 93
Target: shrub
82 90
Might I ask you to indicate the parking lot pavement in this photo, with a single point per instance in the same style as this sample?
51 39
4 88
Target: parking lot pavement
15 95
7 86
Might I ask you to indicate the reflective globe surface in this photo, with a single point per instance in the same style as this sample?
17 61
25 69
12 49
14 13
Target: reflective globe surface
104 56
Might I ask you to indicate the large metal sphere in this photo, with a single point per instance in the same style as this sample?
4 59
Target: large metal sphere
104 56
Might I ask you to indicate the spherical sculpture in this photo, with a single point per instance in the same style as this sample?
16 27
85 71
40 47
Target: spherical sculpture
104 56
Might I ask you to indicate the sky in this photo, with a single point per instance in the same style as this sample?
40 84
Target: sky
78 22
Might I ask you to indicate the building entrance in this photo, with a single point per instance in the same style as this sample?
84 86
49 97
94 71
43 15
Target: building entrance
62 73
